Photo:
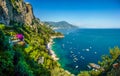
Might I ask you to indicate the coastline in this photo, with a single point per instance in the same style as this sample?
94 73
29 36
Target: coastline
52 53
49 47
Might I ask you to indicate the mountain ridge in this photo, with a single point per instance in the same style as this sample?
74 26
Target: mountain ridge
60 25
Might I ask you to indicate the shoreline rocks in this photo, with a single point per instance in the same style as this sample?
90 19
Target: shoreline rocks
51 52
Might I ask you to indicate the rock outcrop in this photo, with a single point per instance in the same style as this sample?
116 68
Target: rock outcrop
17 11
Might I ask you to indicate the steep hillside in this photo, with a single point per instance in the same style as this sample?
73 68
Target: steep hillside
23 42
16 10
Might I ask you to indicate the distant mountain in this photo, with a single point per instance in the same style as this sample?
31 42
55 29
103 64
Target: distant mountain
60 25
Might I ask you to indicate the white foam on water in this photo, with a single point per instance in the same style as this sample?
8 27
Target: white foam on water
87 49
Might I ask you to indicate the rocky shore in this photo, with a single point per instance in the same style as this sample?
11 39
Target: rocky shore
49 47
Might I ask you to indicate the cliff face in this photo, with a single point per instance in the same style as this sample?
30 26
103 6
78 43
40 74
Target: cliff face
16 10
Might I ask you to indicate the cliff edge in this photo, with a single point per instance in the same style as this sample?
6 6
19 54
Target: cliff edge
17 11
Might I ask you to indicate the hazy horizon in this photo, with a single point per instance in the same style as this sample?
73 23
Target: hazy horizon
83 13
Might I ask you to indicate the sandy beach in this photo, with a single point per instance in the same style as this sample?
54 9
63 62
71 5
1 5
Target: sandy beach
49 47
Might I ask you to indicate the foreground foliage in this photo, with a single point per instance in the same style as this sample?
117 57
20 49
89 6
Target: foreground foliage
19 60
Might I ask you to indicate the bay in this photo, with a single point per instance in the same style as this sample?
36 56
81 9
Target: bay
80 47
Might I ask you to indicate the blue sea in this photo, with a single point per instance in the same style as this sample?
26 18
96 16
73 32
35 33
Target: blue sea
80 47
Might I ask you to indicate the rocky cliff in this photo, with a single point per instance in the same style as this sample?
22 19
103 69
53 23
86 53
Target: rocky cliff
17 11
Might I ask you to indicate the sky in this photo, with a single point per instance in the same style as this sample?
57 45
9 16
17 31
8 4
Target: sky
83 13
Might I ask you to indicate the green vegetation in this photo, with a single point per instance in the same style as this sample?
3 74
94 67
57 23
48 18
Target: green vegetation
84 73
2 26
19 60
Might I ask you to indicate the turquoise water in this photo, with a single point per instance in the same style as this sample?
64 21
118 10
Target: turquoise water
80 47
